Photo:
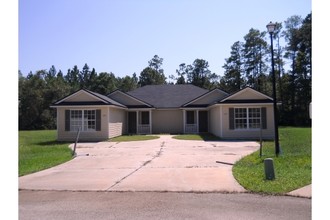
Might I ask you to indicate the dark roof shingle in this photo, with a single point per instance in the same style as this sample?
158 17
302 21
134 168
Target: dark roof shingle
104 100
168 96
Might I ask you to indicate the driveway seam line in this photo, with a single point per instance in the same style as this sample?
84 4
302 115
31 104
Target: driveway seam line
137 169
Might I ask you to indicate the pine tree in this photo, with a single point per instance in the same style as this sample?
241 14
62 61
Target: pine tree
233 80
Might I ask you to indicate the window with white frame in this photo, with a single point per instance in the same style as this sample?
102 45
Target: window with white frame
254 117
247 118
89 120
83 119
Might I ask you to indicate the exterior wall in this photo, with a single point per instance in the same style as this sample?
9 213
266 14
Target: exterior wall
247 134
117 122
167 121
63 135
215 121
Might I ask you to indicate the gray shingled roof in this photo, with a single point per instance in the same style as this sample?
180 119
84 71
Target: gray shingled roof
105 100
167 96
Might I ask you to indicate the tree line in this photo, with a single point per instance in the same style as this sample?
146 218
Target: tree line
249 64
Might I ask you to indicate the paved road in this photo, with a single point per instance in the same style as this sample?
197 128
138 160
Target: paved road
53 205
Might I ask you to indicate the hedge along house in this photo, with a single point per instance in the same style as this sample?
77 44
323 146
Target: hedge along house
163 109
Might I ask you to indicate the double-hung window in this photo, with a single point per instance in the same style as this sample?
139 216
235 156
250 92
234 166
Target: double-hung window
83 119
247 118
254 117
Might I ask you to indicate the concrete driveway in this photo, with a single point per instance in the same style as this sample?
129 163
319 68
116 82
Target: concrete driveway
164 164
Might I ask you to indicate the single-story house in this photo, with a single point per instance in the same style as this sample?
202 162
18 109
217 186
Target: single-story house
164 109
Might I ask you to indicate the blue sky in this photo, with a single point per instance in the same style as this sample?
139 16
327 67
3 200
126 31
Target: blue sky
121 36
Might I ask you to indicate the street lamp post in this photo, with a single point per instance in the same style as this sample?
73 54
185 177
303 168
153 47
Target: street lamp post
271 28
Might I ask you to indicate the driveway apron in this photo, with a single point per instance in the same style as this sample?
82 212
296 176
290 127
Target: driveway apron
163 164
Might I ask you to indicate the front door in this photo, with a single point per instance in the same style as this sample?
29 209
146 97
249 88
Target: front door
203 121
132 122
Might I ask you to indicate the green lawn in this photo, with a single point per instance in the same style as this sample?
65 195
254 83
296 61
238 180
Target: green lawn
125 138
197 137
39 150
293 168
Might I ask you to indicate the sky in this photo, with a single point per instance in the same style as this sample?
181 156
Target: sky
121 36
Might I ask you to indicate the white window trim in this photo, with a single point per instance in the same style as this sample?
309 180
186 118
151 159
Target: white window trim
82 120
247 119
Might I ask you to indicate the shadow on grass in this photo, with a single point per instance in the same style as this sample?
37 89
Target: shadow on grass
196 137
51 143
209 137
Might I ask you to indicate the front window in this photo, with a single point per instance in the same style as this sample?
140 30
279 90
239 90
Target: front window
83 119
254 117
89 120
247 118
240 118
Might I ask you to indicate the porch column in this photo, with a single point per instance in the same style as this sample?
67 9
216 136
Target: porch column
184 121
197 118
137 122
150 122
221 121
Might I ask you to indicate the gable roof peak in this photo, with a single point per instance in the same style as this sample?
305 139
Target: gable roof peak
101 99
260 95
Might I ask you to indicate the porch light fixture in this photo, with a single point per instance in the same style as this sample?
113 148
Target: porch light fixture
271 28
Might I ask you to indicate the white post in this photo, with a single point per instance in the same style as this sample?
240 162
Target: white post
197 118
150 122
184 121
221 122
137 122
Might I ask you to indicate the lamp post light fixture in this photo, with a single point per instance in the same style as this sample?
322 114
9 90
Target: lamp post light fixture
271 28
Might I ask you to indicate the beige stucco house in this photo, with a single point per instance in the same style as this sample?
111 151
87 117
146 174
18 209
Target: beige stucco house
165 109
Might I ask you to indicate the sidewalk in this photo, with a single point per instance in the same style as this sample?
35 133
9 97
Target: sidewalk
305 192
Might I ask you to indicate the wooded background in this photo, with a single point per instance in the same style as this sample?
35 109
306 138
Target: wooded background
249 64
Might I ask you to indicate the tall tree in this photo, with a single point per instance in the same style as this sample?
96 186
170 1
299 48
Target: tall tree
51 72
153 74
254 52
128 83
279 61
291 36
156 63
72 78
199 74
32 101
182 73
105 83
304 72
233 76
84 77
150 76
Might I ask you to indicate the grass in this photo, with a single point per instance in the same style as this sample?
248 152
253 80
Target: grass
197 137
293 167
126 138
39 150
